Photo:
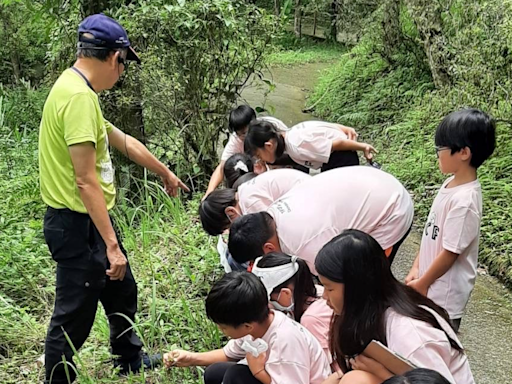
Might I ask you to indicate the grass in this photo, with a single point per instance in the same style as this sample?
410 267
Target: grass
173 260
289 51
396 108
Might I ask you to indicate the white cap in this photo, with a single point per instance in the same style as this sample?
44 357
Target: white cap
275 276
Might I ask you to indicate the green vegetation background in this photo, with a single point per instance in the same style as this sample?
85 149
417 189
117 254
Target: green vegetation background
385 86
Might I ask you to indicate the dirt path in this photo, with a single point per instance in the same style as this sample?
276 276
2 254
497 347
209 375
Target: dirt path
486 330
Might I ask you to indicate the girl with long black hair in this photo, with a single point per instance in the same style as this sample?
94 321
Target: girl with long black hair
371 304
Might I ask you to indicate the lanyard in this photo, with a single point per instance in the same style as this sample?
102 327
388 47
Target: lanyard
83 77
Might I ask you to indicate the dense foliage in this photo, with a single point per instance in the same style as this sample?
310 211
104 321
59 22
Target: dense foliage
446 55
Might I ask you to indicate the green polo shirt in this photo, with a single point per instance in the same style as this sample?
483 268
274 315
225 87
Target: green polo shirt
72 115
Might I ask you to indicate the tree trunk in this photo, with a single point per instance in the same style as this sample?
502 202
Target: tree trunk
298 19
391 28
314 23
334 20
427 16
277 7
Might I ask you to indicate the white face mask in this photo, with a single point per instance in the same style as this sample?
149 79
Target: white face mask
238 213
282 308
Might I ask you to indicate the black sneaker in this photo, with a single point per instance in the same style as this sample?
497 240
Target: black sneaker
134 366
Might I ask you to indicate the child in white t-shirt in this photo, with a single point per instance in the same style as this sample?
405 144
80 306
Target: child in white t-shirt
313 144
445 268
371 304
292 290
250 193
238 304
239 120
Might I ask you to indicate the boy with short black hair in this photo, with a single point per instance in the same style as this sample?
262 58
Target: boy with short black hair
238 304
445 268
239 120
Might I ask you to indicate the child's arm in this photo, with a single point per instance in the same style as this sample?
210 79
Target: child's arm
350 132
257 367
180 358
216 179
414 273
442 263
351 145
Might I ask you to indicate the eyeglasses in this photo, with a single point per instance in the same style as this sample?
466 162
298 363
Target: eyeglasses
122 60
439 149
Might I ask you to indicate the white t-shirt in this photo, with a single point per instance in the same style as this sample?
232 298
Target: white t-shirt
427 347
357 197
235 145
453 224
258 194
310 142
294 356
317 320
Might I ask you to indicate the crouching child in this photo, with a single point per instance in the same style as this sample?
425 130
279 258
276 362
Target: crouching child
238 304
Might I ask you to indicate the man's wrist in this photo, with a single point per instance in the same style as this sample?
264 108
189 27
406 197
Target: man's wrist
112 245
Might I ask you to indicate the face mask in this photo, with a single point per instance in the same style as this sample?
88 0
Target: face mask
281 308
238 213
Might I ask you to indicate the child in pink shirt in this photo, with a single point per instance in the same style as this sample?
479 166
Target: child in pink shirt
313 144
255 193
238 304
445 268
239 120
291 289
370 304
312 213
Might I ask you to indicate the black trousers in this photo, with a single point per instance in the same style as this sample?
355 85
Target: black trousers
395 248
229 373
81 281
340 159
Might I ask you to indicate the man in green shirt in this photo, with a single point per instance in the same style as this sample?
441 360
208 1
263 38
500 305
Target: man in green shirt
77 184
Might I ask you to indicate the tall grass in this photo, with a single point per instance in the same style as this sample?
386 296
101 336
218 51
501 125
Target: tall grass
173 260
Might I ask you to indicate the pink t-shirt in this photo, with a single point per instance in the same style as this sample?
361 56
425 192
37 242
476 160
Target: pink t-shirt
453 224
235 145
258 194
310 142
294 356
357 197
427 347
317 320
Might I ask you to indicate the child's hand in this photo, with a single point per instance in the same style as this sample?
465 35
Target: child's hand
256 364
178 358
350 132
369 151
419 286
414 274
364 363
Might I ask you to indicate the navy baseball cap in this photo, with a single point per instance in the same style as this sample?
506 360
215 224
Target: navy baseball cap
107 33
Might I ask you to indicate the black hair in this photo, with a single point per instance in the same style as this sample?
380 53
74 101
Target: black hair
243 179
212 210
237 298
355 259
231 174
470 128
248 234
240 117
304 291
418 376
90 50
261 131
